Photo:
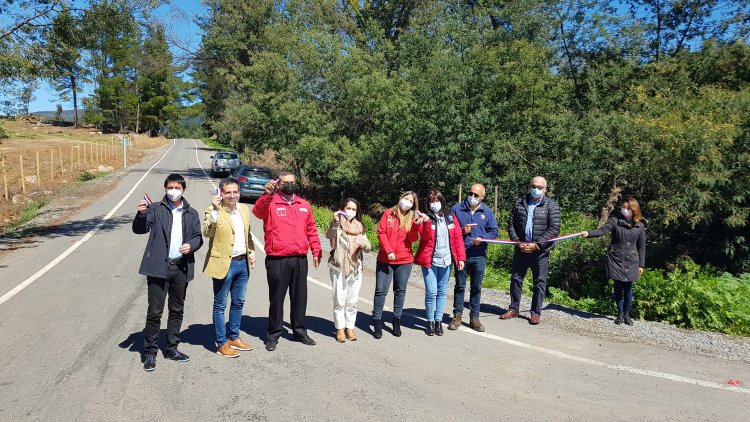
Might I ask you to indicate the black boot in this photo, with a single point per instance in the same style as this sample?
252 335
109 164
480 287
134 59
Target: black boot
438 328
397 327
618 320
377 328
430 328
627 319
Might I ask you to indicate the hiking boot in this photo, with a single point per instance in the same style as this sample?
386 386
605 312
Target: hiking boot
627 320
475 325
619 319
455 322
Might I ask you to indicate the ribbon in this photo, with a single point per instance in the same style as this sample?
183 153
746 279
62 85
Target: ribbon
515 242
145 196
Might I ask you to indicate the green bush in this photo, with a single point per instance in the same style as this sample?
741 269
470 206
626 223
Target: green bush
3 132
86 176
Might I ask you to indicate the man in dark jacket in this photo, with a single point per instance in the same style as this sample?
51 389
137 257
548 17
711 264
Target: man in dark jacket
534 219
168 263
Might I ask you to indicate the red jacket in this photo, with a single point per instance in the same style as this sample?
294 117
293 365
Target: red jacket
289 228
427 242
395 240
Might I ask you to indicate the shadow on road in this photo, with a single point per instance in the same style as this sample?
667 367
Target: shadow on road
73 229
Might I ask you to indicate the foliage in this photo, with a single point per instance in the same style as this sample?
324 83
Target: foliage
3 132
323 217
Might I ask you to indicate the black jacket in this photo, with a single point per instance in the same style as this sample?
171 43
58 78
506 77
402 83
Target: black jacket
158 223
546 222
627 251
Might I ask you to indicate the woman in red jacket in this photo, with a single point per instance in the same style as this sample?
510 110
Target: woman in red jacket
397 230
441 244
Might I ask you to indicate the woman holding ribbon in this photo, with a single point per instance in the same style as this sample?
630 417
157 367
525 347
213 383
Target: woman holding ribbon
346 233
441 244
626 256
397 230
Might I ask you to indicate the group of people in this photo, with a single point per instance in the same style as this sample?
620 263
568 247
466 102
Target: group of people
448 239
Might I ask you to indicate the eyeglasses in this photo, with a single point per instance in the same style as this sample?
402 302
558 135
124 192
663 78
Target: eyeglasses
474 194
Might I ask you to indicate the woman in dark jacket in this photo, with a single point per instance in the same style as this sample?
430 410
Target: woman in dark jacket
626 256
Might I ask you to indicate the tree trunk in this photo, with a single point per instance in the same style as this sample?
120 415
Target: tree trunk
73 88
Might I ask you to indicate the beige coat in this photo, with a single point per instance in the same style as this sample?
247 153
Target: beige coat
221 240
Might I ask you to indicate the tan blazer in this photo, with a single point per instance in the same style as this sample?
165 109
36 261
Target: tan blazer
221 240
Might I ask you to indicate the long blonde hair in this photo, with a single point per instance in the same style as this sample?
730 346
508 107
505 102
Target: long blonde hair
405 220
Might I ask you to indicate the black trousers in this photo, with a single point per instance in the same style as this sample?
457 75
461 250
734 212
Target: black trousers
286 273
539 263
175 285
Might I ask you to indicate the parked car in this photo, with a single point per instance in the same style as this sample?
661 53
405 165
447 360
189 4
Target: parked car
224 162
251 180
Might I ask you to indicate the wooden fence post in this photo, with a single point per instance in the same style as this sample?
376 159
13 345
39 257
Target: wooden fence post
62 165
459 193
23 182
495 200
5 181
52 164
38 170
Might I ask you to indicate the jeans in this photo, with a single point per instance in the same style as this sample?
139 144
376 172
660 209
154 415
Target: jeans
286 273
176 286
345 297
235 282
539 263
623 288
435 290
474 268
383 275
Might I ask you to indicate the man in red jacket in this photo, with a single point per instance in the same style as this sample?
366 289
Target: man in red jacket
290 231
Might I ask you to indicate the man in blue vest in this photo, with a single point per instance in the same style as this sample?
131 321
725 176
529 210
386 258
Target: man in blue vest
477 222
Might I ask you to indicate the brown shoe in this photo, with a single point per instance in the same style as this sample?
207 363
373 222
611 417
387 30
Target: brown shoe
350 334
534 320
455 322
239 344
340 335
510 314
475 325
227 351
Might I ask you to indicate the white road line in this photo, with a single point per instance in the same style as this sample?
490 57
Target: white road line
81 241
544 350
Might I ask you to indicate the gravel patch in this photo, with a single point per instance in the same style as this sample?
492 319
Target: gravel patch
495 302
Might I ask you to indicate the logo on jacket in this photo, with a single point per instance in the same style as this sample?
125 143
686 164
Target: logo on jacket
482 216
281 212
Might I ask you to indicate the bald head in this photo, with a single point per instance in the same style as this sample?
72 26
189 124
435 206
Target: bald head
478 188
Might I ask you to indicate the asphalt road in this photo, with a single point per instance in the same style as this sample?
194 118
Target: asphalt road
70 345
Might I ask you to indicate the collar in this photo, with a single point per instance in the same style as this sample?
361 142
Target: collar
465 206
530 200
280 199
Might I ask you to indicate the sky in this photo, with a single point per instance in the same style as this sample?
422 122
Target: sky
179 22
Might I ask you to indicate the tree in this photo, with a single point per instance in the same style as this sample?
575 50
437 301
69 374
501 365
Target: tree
158 86
64 44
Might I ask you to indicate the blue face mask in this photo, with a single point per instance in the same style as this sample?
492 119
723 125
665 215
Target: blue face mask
473 201
537 193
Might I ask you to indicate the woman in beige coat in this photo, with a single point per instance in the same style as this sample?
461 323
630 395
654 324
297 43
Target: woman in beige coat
348 243
230 256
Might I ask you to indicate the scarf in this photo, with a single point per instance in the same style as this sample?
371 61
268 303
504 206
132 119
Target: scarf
348 244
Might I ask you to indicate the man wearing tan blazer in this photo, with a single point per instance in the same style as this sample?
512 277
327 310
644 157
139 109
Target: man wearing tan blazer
231 255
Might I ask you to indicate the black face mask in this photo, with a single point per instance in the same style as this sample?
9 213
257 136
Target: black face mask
288 188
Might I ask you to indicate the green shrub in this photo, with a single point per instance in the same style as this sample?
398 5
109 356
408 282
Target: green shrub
3 132
86 176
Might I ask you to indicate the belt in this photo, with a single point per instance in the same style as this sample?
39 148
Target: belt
174 261
238 258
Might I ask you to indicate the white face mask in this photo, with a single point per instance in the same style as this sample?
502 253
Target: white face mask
405 204
436 206
174 194
628 214
350 214
473 201
537 193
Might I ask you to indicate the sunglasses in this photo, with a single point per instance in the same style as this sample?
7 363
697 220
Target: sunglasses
474 194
